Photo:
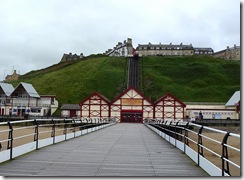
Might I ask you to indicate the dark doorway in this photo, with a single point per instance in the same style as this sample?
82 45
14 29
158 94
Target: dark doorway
73 113
131 117
2 112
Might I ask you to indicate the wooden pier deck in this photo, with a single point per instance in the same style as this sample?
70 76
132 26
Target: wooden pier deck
123 149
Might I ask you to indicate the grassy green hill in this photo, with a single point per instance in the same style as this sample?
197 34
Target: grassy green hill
75 81
192 78
202 79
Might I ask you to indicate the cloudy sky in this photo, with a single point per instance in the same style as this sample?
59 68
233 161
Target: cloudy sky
34 34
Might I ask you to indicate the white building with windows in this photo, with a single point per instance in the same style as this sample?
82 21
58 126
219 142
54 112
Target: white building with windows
229 110
24 100
172 50
5 98
121 49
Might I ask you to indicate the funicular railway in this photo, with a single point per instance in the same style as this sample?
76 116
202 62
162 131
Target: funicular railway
133 80
134 72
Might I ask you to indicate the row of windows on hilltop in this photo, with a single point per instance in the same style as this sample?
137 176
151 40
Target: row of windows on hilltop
149 49
158 49
162 49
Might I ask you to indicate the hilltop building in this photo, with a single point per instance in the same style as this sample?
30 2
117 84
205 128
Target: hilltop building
71 57
126 49
164 49
121 49
12 77
171 50
232 53
203 51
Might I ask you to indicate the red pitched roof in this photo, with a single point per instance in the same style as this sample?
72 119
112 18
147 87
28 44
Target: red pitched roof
95 94
172 96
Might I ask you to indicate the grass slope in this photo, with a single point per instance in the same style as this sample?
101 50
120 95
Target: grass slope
191 78
76 81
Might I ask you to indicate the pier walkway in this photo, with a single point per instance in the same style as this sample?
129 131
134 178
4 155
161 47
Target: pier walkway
124 149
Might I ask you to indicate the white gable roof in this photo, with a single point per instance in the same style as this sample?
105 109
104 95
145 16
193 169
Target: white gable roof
28 88
7 88
235 98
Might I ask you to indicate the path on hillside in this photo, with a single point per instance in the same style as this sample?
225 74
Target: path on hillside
123 149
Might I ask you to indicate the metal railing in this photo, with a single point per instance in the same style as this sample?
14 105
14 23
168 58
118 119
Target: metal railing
208 147
20 137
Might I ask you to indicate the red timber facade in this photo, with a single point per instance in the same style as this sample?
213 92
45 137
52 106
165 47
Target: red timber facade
169 108
95 106
131 106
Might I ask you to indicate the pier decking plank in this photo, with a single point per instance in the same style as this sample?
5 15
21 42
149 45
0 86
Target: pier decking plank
121 150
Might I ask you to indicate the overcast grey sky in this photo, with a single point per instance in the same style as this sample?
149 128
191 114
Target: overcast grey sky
34 34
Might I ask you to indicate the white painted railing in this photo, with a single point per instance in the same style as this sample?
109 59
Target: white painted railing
197 140
20 137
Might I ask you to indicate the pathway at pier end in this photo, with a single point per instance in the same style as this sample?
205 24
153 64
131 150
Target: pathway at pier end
123 149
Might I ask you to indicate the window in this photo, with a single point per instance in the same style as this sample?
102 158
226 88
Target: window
33 110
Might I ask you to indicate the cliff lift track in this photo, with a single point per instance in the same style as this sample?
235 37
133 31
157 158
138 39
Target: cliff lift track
133 78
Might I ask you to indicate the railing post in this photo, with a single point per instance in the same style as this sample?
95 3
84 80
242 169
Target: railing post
225 155
10 140
199 145
170 128
162 121
74 126
186 141
165 131
65 129
175 132
80 127
36 136
53 131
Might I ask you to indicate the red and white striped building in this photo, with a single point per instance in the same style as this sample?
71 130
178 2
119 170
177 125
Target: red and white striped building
95 106
169 108
131 106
